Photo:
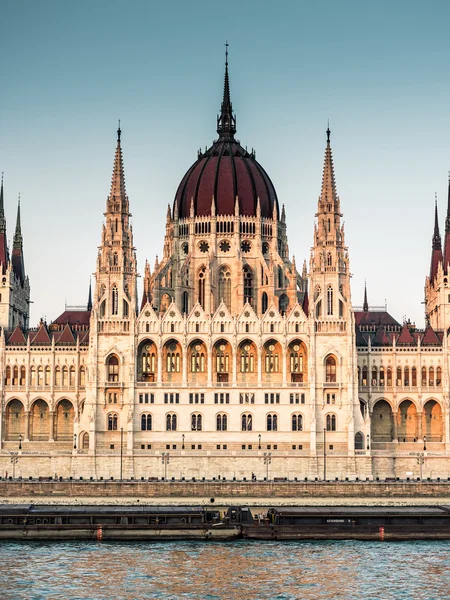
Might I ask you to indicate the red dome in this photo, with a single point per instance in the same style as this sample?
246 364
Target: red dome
225 171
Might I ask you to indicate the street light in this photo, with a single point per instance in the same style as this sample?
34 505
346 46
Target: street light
259 442
74 441
424 443
182 440
368 442
20 442
267 460
165 457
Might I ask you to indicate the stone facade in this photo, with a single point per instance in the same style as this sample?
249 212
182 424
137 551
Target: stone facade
234 363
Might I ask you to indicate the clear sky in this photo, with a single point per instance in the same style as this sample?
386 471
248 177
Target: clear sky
378 71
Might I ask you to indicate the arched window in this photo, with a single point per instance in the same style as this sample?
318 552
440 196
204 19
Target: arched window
8 375
319 309
115 258
272 422
329 300
221 422
171 422
196 422
264 303
248 285
329 259
125 308
374 376
72 376
399 376
82 376
382 382
247 359
15 377
297 423
389 376
222 359
65 376
40 376
439 376
32 376
113 368
112 422
197 359
225 286
431 376
148 361
359 441
330 370
58 376
173 359
201 286
22 375
424 376
185 302
296 359
146 422
414 376
247 422
406 377
115 301
331 422
271 359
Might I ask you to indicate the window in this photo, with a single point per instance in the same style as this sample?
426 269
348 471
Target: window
264 303
389 376
297 398
196 422
283 304
146 398
247 359
424 376
115 301
171 422
246 422
272 422
248 285
438 376
414 377
296 359
72 376
222 359
374 376
196 398
271 359
58 376
297 423
173 359
399 376
431 376
331 398
382 376
65 376
197 359
113 368
112 397
330 368
221 422
331 422
329 300
112 422
247 398
222 398
201 286
272 398
82 376
172 398
225 286
148 360
146 422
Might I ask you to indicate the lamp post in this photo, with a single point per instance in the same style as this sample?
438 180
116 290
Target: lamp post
74 441
182 442
368 442
20 442
259 442
165 457
121 452
324 453
424 443
267 460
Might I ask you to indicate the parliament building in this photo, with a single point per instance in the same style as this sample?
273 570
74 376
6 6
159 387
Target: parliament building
234 361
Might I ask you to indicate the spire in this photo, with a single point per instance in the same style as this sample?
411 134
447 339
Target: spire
328 193
17 253
226 122
436 252
3 242
118 190
89 302
365 303
447 232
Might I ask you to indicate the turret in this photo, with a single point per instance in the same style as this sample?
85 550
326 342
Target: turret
436 251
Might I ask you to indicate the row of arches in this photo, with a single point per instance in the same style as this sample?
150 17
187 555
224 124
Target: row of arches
407 424
404 377
39 424
45 376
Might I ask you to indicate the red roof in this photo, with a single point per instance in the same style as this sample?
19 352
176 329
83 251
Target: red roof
430 338
40 336
73 317
374 318
17 337
405 337
226 171
66 336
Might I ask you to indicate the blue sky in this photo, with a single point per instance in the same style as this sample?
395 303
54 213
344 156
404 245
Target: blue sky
378 72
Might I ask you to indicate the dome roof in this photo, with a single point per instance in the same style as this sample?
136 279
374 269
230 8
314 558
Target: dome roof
226 171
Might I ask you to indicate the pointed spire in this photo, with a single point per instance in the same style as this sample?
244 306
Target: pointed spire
226 122
365 303
89 302
328 193
118 177
17 253
2 210
436 252
3 241
447 232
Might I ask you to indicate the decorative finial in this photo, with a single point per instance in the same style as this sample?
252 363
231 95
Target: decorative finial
328 131
119 131
226 52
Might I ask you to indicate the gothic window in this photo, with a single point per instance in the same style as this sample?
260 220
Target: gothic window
424 376
382 376
438 376
115 259
329 300
197 359
58 376
112 422
40 376
329 260
247 359
173 359
196 422
272 422
331 422
113 368
148 360
280 278
283 303
431 376
247 422
185 308
72 376
221 422
399 376
225 286
8 375
389 376
296 359
374 376
319 309
414 376
115 301
102 309
65 376
317 292
125 308
82 376
222 359
22 375
171 422
406 377
201 286
364 376
264 303
297 423
15 379
330 370
146 422
271 359
248 285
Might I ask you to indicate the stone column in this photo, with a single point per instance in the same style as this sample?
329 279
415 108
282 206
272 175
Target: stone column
27 426
234 358
52 426
395 416
419 426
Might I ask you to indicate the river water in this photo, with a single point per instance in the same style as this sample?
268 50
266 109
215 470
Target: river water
240 570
